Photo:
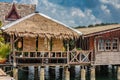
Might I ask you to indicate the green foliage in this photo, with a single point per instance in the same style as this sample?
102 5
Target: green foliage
0 23
4 49
95 25
79 48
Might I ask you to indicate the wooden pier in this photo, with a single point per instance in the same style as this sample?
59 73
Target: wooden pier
4 76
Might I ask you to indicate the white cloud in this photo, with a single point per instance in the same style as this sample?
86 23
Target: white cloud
77 12
115 3
29 2
14 1
105 9
68 15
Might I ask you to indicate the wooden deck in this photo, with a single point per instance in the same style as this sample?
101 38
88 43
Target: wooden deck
4 76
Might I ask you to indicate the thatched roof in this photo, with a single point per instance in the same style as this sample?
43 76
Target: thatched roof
91 31
40 25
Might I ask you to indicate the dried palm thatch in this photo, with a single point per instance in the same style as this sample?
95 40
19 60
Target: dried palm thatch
40 25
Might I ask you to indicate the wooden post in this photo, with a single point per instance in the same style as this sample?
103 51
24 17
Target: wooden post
42 73
15 73
68 52
83 74
94 50
92 73
67 74
118 73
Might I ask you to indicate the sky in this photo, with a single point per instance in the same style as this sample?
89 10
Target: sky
77 12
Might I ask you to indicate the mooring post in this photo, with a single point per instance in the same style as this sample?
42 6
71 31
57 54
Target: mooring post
67 74
15 73
118 73
42 73
92 73
83 74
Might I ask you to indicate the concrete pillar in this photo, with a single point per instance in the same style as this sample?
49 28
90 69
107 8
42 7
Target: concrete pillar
83 74
15 73
92 77
67 74
42 73
118 73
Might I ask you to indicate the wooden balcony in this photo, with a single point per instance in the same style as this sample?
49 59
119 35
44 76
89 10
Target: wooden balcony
54 58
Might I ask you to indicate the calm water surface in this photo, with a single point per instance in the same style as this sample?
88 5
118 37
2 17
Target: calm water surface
58 74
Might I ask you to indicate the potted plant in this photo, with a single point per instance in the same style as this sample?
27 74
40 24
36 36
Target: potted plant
4 50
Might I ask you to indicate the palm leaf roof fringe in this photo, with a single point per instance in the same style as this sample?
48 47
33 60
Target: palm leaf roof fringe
40 25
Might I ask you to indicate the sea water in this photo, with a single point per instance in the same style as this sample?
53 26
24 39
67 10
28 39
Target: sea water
57 73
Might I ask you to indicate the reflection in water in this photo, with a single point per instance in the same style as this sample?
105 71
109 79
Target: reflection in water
57 73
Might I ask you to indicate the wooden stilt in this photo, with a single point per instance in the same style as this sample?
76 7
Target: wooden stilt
36 72
67 74
118 73
83 74
42 73
15 73
92 73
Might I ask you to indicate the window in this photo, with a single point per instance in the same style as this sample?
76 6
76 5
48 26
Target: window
115 44
108 45
101 45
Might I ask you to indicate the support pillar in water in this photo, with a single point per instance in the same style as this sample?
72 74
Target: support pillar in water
15 73
92 77
83 74
35 72
118 73
42 73
67 74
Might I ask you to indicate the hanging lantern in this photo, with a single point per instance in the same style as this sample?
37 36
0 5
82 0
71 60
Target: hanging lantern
19 44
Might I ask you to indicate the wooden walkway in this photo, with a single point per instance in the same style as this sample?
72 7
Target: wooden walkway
4 76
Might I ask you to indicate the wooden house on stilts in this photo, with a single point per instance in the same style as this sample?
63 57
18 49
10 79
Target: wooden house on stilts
104 41
39 40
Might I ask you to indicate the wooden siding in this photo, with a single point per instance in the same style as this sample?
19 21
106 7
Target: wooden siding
57 45
29 44
91 43
43 44
107 58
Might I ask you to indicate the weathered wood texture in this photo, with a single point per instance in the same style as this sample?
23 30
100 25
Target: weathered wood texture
106 58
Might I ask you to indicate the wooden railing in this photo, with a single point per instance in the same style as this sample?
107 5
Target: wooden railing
81 57
69 58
